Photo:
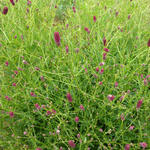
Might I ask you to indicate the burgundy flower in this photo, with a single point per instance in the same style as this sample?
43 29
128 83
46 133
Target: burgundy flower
121 98
100 130
116 84
104 41
87 30
100 83
129 16
104 56
139 104
127 147
71 144
102 70
78 135
97 69
6 63
76 119
15 72
57 38
38 149
110 97
85 70
117 13
143 145
106 50
48 112
37 106
5 10
53 111
74 9
60 148
69 97
94 18
145 81
148 44
67 49
11 114
32 94
102 63
12 2
67 25
81 107
8 98
122 117
131 128
27 10
29 2
141 76
148 76
42 78
25 133
14 84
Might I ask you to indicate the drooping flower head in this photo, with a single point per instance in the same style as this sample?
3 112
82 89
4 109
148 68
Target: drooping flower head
57 38
87 30
12 2
106 50
5 10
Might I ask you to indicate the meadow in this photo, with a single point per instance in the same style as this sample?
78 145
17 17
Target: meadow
75 74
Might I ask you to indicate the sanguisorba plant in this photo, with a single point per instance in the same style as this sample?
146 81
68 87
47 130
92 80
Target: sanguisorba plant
81 83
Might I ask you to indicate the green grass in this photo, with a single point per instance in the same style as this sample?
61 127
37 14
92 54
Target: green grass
63 73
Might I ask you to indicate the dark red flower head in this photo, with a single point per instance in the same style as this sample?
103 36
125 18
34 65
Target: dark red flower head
104 41
139 104
106 50
12 2
71 144
57 38
148 44
127 147
5 10
87 30
94 18
69 97
74 9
